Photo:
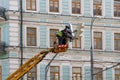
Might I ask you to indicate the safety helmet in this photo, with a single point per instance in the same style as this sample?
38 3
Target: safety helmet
67 25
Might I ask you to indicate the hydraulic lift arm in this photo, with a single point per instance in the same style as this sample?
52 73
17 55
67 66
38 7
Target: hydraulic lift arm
32 62
28 65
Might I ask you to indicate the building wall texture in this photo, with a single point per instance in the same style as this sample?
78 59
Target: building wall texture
44 20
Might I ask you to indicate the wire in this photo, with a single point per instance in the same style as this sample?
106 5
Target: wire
107 68
47 67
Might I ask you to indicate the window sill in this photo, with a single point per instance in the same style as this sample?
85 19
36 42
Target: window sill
31 11
54 13
116 17
116 50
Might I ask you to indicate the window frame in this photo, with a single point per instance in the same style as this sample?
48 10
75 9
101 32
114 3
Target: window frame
77 73
82 9
37 35
98 39
31 72
114 42
98 74
0 72
59 9
37 7
76 7
98 4
114 10
75 42
55 72
116 74
52 35
33 35
0 34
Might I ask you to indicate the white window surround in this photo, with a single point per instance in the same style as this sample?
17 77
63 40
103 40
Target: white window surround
37 35
82 8
37 7
112 12
48 32
103 9
113 41
103 39
1 34
60 69
82 38
60 7
79 66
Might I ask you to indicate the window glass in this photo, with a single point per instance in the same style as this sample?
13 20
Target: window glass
31 36
54 73
32 74
76 73
98 74
117 41
53 36
0 72
54 5
31 5
76 43
117 74
97 40
76 6
97 7
117 8
0 35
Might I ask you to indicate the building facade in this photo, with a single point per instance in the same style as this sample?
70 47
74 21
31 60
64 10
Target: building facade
42 19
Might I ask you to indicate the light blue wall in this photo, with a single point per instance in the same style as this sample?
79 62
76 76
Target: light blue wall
65 7
87 73
108 8
42 6
87 38
4 3
66 72
108 40
87 7
109 75
43 36
42 72
5 69
5 33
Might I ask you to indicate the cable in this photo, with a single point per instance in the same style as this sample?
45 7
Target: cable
47 67
107 68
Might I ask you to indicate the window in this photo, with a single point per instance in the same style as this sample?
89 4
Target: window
117 8
97 7
117 74
0 35
76 73
97 40
54 73
0 72
32 74
76 6
117 41
53 36
76 43
98 74
54 5
31 36
31 5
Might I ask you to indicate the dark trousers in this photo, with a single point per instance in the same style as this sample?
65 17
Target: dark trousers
62 40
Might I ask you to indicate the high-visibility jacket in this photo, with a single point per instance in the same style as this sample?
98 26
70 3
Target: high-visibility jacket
59 34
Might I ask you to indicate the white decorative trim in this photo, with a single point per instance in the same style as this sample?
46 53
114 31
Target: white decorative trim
37 7
82 8
103 38
37 35
60 8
